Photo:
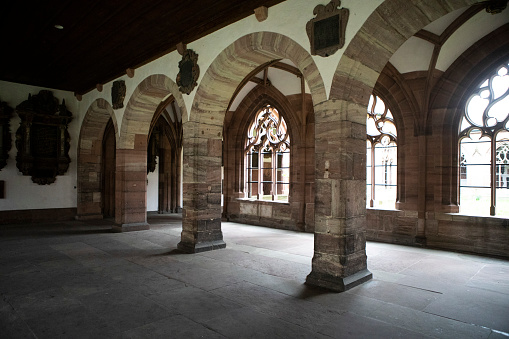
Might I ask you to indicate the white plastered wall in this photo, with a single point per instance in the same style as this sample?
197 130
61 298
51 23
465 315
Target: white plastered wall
20 192
288 18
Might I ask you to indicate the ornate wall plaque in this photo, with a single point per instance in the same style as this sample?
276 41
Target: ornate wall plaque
118 94
189 71
496 6
42 138
5 133
326 32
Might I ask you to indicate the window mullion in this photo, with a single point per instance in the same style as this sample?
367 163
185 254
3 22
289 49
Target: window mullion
493 178
274 176
372 200
260 174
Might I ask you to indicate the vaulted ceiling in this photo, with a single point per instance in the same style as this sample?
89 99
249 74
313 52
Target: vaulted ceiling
73 45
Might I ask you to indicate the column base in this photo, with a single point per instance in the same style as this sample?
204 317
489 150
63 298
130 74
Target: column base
338 284
420 240
201 246
140 226
95 216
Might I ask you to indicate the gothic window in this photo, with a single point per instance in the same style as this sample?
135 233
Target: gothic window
267 157
484 140
503 165
381 155
463 167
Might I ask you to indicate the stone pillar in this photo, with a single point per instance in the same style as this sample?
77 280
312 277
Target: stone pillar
131 187
164 184
339 261
89 183
178 180
201 215
420 237
172 183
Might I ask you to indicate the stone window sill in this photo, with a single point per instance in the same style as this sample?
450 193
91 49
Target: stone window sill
263 201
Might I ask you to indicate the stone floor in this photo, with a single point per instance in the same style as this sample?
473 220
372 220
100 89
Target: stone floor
79 280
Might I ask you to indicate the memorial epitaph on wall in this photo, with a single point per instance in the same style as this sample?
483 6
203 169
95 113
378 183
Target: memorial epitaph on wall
326 31
189 71
5 133
118 94
42 138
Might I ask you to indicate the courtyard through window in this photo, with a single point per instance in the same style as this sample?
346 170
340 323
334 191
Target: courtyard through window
484 147
267 157
381 155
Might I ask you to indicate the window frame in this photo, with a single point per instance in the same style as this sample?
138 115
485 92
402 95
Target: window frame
376 142
270 140
491 128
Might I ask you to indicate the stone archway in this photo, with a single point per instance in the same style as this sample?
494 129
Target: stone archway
90 159
340 261
203 132
131 154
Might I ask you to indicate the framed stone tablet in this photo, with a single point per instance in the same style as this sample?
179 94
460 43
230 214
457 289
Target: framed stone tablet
326 32
42 138
189 71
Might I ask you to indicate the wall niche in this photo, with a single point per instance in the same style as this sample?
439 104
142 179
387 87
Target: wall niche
42 138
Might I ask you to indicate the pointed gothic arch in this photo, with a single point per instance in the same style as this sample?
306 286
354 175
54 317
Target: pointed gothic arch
131 155
203 131
90 158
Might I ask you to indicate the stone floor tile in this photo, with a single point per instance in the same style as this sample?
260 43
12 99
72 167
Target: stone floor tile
196 304
474 306
69 321
386 276
403 317
394 261
350 325
300 312
493 277
124 309
402 295
246 323
11 325
75 279
176 327
249 294
32 304
450 270
28 280
498 335
10 264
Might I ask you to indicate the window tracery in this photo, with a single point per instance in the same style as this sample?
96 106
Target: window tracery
484 129
381 153
268 156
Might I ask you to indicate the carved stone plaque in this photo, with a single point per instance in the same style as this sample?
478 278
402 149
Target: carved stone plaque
326 32
5 133
189 71
118 94
42 138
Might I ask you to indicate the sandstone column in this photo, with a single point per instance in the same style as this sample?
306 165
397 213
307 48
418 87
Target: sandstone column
201 215
131 187
339 261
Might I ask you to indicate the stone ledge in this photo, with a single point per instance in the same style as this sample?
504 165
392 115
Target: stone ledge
262 202
338 284
201 246
94 216
37 215
141 226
